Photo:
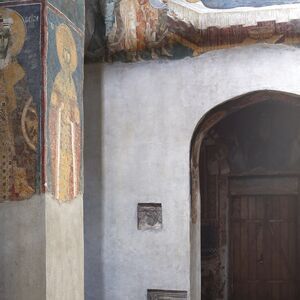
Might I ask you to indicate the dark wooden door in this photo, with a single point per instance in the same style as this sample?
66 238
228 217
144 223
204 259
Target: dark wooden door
263 248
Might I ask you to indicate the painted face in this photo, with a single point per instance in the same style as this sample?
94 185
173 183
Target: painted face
67 56
4 42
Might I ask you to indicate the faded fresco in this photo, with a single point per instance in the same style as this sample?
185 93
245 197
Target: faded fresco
19 99
173 29
73 9
65 113
140 30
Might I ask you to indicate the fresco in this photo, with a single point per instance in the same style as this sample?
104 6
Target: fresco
73 9
174 29
20 71
244 3
140 26
65 57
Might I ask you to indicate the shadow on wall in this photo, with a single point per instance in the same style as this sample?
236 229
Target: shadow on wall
93 212
245 3
95 40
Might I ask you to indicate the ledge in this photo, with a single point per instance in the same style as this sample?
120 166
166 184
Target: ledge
202 17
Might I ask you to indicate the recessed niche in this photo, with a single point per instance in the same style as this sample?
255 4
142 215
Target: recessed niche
169 295
149 216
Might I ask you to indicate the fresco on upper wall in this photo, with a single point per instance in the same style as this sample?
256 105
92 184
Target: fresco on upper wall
140 30
65 71
20 100
73 9
244 3
152 29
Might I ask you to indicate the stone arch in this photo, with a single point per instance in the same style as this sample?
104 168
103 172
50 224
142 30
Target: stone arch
209 120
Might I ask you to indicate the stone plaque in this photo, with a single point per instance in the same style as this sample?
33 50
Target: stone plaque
166 295
149 216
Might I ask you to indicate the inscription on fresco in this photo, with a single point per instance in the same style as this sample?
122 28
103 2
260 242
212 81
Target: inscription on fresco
64 117
19 119
245 3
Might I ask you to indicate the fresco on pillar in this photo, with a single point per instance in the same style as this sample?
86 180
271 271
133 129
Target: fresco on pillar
20 98
65 86
173 29
72 9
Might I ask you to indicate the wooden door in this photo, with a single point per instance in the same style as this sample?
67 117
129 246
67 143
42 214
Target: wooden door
263 248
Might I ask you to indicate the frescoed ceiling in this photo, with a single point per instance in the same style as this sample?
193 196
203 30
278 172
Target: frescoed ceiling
223 4
135 30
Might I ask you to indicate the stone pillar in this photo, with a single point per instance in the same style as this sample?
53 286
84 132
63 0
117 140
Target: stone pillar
41 119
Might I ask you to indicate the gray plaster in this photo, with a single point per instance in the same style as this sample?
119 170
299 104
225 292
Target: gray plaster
41 250
64 249
22 250
147 113
93 208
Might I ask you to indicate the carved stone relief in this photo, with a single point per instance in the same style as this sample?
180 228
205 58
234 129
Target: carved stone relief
149 216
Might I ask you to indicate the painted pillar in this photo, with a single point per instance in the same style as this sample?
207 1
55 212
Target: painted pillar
41 209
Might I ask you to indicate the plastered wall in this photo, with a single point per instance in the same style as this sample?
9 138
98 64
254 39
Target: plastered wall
22 252
139 121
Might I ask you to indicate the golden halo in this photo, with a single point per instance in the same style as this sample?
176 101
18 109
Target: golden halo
65 40
18 30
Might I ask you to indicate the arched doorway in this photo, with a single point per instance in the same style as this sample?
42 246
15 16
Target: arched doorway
245 170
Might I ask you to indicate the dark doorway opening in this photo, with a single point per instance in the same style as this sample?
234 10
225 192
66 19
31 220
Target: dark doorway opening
250 173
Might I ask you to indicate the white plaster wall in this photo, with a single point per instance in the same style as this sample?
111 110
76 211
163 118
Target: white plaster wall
148 112
41 249
64 249
22 250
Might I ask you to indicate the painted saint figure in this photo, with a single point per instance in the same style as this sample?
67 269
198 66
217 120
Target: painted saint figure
17 147
141 25
64 121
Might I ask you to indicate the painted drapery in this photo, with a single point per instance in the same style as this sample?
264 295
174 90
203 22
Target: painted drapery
19 121
64 121
41 98
65 80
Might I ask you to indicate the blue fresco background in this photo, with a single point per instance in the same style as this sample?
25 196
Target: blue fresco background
73 9
54 66
30 56
245 3
31 61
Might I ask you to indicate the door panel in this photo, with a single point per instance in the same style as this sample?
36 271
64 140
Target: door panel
263 261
